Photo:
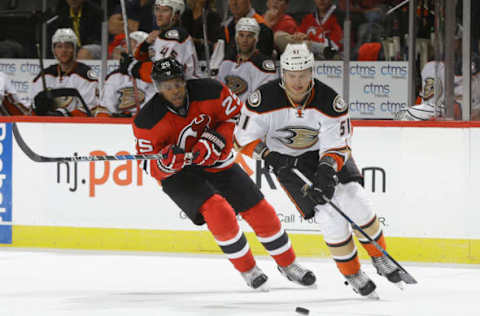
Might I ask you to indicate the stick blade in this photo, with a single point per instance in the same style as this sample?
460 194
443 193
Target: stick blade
27 150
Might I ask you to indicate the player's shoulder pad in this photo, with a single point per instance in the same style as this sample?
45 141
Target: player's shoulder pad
116 71
151 113
176 33
50 70
203 89
328 100
268 97
263 63
85 72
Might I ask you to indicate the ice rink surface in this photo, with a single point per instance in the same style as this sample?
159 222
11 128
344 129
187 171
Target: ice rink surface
116 283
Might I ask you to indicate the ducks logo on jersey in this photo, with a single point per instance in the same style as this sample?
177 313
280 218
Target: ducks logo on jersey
237 84
126 100
298 137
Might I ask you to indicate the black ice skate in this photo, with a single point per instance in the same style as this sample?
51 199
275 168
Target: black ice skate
256 279
362 285
296 273
386 268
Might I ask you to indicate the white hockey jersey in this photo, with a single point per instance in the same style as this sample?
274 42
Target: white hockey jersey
245 77
321 124
82 78
9 99
118 94
175 42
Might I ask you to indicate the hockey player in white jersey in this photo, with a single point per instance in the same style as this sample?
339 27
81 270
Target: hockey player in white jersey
170 40
67 73
118 97
299 121
246 70
9 102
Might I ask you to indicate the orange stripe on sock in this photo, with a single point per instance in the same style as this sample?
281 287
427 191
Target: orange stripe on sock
349 267
372 250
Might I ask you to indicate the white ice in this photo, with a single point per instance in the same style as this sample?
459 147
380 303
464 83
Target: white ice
118 283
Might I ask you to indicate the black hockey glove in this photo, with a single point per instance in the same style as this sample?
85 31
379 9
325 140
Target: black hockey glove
126 64
324 182
43 103
279 161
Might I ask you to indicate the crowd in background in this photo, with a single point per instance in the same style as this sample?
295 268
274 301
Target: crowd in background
377 33
373 30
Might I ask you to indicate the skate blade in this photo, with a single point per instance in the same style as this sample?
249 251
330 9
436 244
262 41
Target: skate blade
263 288
373 296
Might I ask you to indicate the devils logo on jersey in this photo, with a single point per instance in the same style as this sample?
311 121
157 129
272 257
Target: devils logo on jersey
126 99
298 137
190 133
237 84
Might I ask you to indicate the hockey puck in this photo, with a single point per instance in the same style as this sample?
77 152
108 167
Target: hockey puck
302 310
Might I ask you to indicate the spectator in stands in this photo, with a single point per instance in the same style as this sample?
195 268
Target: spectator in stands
240 9
139 13
10 48
118 98
85 18
193 23
9 102
170 40
280 22
248 69
322 30
67 88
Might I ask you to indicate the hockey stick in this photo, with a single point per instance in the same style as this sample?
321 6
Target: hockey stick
129 51
38 158
406 277
205 37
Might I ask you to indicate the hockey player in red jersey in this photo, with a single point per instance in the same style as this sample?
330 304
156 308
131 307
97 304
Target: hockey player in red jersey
170 40
68 73
299 121
191 124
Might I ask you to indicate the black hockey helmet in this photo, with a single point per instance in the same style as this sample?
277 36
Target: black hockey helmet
166 69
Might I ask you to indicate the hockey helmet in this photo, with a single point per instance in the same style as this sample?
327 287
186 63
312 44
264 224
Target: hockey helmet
248 25
166 69
65 35
176 5
296 57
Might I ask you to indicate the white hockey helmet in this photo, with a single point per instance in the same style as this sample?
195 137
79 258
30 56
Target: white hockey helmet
138 36
65 35
176 5
296 57
248 25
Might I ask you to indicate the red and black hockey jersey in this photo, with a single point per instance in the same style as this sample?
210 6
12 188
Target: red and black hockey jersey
211 105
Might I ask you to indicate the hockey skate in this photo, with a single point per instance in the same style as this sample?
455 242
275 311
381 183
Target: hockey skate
256 279
362 285
386 268
296 273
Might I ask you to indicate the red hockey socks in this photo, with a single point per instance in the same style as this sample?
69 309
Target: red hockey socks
266 225
222 223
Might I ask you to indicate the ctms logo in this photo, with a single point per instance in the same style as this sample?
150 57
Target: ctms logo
331 71
394 71
363 71
378 90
